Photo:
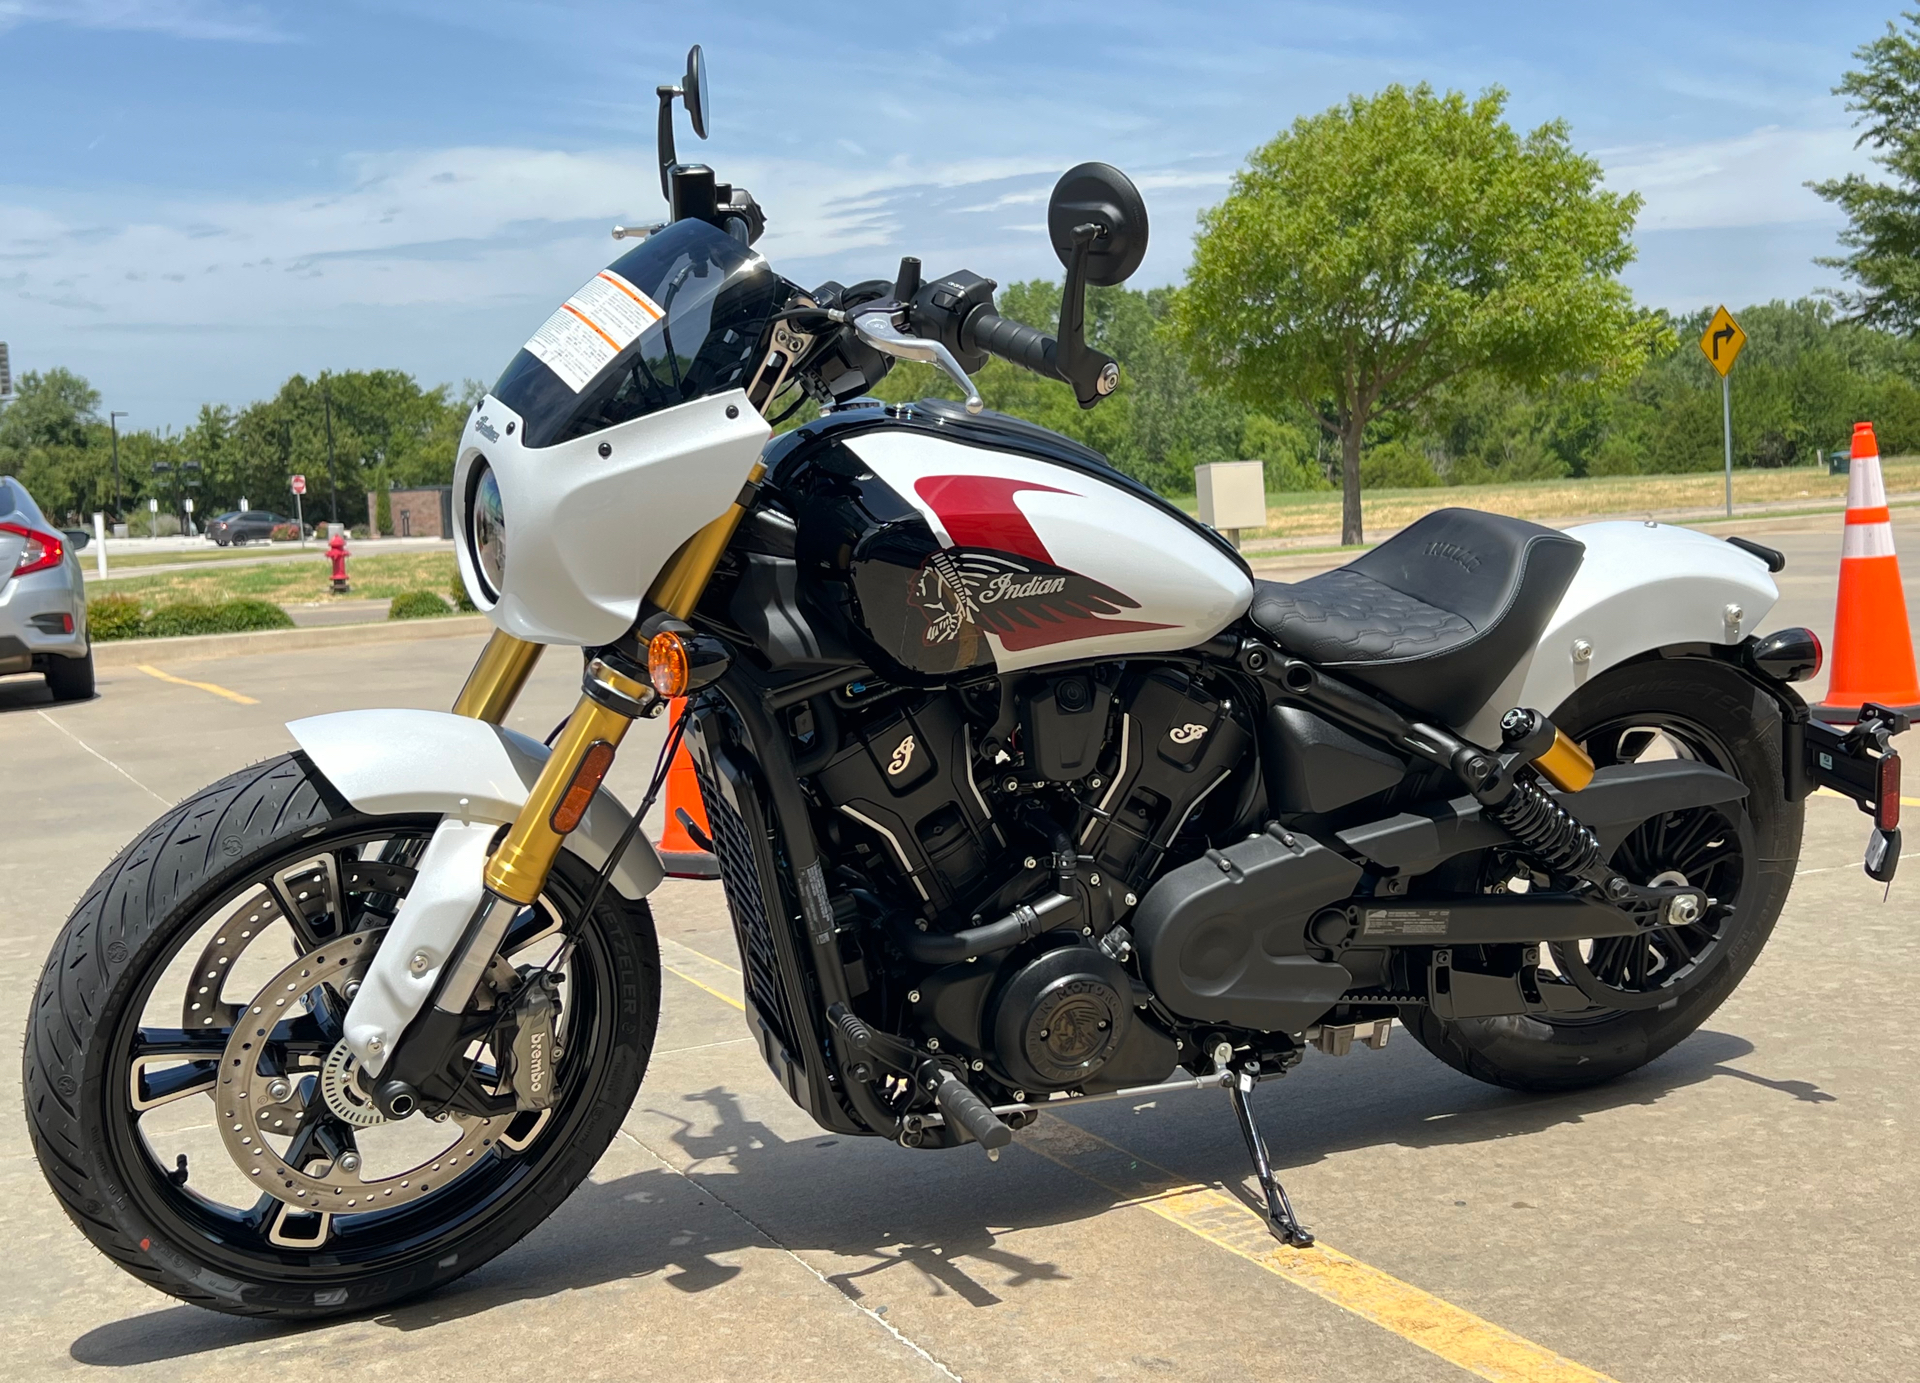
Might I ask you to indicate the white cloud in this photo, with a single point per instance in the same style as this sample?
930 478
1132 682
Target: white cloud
197 19
1753 180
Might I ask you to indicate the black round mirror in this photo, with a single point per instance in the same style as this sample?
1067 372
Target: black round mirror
1101 195
693 90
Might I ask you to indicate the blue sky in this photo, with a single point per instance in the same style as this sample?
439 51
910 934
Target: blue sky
199 197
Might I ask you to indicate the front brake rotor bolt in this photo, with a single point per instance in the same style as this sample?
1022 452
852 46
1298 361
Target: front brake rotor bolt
278 1089
349 1162
352 990
420 963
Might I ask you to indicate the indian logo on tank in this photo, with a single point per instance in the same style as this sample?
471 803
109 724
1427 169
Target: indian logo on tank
902 756
1186 734
1000 579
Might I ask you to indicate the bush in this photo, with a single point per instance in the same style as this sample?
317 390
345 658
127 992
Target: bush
418 605
285 533
227 617
114 617
462 602
1396 465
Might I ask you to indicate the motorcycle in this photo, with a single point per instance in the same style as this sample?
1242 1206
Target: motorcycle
1024 792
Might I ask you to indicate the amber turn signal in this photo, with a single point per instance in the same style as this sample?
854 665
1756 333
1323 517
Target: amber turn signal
668 667
586 781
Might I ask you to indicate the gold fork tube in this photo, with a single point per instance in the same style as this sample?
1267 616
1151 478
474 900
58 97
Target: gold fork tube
519 866
497 677
683 580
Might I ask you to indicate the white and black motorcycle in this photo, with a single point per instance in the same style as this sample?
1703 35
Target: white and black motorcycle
1022 789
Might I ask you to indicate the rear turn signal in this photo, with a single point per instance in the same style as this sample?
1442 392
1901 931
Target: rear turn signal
586 781
668 666
1787 655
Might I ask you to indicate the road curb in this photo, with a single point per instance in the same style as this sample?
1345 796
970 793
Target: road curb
132 652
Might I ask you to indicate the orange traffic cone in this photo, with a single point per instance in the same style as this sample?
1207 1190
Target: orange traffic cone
1872 643
682 855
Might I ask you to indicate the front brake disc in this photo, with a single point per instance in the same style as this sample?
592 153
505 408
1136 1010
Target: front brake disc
246 1102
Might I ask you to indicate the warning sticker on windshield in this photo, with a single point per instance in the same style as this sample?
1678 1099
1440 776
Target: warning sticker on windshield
592 327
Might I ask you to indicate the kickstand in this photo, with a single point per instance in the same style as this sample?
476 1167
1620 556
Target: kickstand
1280 1217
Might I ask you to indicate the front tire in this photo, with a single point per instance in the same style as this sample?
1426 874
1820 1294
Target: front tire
1693 708
120 1078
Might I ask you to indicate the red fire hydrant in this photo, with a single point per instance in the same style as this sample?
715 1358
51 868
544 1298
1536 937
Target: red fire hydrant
337 554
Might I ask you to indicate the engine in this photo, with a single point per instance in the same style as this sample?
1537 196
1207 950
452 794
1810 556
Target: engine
992 838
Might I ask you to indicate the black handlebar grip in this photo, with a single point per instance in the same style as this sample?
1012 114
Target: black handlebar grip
1025 346
961 1106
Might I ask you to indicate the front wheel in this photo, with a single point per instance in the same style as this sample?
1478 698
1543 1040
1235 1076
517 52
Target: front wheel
184 1056
1660 986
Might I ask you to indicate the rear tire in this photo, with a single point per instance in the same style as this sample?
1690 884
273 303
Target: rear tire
92 1013
1737 728
70 679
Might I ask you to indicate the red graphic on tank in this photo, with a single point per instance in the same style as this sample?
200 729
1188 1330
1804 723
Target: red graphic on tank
1008 583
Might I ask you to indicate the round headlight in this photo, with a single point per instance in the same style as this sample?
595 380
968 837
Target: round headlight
487 531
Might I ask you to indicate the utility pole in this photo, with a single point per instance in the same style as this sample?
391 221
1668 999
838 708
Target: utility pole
333 490
113 423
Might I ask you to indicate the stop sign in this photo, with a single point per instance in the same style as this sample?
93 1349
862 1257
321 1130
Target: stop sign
299 484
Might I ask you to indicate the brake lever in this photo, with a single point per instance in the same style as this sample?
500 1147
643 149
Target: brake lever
877 329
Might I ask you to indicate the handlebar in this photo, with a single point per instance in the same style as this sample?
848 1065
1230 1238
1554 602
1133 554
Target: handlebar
1022 345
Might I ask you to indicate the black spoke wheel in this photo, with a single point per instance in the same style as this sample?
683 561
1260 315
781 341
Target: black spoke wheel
186 1087
1648 992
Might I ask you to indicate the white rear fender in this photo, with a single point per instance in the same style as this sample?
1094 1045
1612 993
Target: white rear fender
475 776
1640 587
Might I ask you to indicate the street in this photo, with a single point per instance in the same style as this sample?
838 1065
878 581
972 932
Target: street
1742 1209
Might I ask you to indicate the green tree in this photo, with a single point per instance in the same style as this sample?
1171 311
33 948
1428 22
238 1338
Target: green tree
1883 231
1374 253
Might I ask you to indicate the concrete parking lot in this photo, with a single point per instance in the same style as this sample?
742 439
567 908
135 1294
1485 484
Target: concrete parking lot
1742 1209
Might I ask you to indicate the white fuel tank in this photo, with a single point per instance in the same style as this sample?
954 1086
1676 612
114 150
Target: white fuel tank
1045 562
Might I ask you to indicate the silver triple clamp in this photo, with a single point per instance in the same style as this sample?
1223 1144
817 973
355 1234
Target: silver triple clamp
1280 1218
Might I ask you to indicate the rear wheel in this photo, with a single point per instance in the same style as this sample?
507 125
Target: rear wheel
70 679
184 1055
1659 987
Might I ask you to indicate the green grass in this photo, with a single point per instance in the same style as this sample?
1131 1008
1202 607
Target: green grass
374 578
1310 513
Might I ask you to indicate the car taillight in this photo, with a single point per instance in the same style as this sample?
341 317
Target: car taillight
43 550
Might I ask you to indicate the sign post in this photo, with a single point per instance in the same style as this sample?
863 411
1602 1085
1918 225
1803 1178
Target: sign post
1721 343
299 523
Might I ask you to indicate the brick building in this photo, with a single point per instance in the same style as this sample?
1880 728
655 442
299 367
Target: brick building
423 512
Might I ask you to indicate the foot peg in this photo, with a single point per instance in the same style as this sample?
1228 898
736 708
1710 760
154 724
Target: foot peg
1280 1217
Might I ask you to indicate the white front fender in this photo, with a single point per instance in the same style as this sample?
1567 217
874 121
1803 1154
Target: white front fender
474 776
389 762
1640 587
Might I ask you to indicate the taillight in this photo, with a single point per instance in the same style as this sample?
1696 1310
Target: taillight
1886 807
43 550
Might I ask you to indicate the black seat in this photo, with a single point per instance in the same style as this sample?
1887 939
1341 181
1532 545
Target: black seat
1434 617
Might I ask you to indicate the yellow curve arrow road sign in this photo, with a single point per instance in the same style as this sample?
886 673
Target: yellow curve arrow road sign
1722 341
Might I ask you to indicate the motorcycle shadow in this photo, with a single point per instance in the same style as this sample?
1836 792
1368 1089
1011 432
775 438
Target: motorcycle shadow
859 1211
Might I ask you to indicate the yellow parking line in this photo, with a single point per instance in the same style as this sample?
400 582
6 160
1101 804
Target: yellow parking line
710 960
213 687
724 998
1439 1327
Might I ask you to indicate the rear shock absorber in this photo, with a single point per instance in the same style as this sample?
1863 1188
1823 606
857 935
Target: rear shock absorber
1548 830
